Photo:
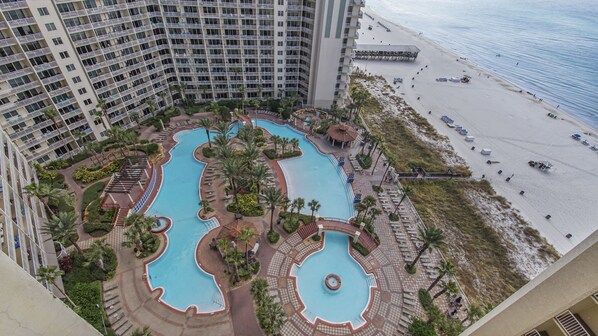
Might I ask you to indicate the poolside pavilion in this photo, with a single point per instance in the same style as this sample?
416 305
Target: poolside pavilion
342 135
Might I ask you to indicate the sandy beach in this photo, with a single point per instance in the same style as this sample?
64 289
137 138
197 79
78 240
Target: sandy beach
513 124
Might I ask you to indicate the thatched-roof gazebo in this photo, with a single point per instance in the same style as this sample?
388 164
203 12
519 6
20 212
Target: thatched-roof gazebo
342 135
232 231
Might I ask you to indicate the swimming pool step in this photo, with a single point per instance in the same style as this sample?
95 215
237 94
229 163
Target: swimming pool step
358 322
371 279
211 224
219 300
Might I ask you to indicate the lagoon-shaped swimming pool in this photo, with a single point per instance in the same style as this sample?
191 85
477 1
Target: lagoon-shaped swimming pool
314 175
176 271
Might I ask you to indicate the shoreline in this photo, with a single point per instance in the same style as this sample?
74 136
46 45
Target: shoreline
511 122
493 73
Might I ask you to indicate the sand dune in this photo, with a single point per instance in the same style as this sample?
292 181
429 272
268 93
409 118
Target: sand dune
513 124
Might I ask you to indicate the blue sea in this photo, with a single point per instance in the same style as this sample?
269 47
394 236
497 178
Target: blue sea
555 42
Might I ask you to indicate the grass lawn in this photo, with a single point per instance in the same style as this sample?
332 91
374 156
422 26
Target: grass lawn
92 193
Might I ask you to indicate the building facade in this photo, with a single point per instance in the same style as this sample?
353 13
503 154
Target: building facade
21 216
84 57
561 301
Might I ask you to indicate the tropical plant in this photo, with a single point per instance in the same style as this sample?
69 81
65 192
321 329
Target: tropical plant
381 150
45 193
368 201
445 268
360 208
270 316
300 204
406 191
246 235
96 253
273 198
294 143
259 174
145 331
138 226
51 114
449 287
232 168
430 237
206 124
63 227
374 212
250 154
102 113
259 290
151 106
313 206
235 257
135 117
276 141
223 246
205 206
474 313
390 162
223 128
49 274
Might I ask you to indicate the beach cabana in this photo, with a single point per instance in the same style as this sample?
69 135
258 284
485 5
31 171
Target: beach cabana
341 135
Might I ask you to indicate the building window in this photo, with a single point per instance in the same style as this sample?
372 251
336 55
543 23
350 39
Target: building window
279 52
57 41
87 102
280 61
280 34
280 13
43 11
82 91
50 26
76 79
281 23
70 67
280 43
64 54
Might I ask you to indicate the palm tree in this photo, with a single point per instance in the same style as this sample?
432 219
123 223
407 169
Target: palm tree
205 207
449 287
245 236
141 221
359 207
311 123
299 205
366 137
275 140
89 147
258 290
376 140
142 332
223 246
78 137
313 206
221 140
162 95
445 268
474 312
62 228
180 89
250 154
390 162
206 124
134 237
359 96
374 212
232 168
45 193
51 114
406 191
273 198
369 201
135 116
117 134
235 258
271 317
151 106
222 127
259 174
102 113
49 274
96 254
284 143
242 92
431 237
295 143
380 152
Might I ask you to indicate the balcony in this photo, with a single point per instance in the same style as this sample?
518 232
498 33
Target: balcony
45 66
53 79
7 41
38 52
12 58
14 74
22 22
20 4
30 37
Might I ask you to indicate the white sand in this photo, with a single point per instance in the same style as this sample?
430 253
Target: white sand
513 124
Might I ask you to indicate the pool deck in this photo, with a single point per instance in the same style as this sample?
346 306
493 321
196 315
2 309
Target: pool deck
392 304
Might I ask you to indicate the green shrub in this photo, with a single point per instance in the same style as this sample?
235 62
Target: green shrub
208 152
421 328
364 161
97 229
57 164
96 214
291 225
302 217
273 237
44 175
92 193
272 155
247 206
144 141
86 296
85 175
425 298
78 158
360 248
152 148
316 237
377 188
393 217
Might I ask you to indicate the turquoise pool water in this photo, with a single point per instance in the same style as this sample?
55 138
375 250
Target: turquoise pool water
345 304
176 271
314 175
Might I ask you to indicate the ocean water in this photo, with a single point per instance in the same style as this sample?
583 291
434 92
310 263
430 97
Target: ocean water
555 42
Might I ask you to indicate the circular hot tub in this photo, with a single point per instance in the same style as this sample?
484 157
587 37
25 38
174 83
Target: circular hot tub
162 224
333 282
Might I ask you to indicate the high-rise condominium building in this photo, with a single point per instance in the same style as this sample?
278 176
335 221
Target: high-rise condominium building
68 56
21 216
